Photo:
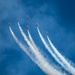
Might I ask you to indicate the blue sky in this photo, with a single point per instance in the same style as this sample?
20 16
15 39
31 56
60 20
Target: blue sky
56 16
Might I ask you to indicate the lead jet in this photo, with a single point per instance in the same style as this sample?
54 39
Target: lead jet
27 17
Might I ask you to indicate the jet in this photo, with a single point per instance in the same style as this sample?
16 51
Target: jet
27 26
9 24
17 20
46 33
37 24
27 17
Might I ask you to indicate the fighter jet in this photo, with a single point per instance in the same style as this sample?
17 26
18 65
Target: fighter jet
27 26
46 33
37 24
9 24
27 17
17 20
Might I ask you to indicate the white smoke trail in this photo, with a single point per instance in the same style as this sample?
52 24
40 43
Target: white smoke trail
35 46
53 54
44 65
31 40
23 47
70 68
47 46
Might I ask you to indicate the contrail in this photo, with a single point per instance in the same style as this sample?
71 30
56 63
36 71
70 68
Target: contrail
47 46
67 64
23 47
32 41
53 54
35 46
44 65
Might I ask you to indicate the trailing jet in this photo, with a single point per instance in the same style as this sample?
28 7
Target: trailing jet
27 26
46 33
17 20
9 24
37 24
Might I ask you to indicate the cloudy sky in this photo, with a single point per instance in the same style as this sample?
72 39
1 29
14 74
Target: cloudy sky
55 16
